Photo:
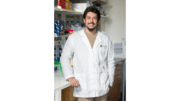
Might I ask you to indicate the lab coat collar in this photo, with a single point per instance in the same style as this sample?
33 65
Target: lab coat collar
86 41
83 34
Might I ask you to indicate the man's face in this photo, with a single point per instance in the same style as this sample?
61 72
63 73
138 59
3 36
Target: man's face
91 21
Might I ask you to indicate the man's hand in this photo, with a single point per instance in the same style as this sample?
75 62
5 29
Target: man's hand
74 82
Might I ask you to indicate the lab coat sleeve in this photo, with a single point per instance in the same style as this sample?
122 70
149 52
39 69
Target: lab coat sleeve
66 56
111 65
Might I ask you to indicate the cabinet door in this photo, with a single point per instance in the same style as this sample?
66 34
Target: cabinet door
114 93
67 94
118 70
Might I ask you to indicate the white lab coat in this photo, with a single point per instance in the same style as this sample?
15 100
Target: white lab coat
93 67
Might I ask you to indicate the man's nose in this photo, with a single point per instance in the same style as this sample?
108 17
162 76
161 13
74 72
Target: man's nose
91 20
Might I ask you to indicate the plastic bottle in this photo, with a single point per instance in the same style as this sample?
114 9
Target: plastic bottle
77 26
72 25
68 26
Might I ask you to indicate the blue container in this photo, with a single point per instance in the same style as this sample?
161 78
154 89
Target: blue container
56 27
62 27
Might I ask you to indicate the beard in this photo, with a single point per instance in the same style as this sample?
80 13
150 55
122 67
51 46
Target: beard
91 29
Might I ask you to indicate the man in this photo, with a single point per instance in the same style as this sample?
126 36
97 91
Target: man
93 60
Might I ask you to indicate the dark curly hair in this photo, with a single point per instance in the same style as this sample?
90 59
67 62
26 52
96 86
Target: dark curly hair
91 9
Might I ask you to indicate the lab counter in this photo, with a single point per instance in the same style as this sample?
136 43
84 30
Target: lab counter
118 63
59 84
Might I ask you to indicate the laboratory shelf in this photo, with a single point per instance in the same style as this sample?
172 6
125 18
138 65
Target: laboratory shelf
102 2
59 42
61 35
104 16
58 8
60 39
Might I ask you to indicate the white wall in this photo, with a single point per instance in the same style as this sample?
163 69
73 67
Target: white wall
115 25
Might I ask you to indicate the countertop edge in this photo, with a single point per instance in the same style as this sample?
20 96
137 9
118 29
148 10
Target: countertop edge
119 63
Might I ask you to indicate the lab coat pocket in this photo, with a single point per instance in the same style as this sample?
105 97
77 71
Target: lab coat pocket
82 81
103 52
103 49
104 80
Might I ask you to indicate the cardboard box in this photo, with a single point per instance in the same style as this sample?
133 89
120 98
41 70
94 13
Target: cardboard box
70 5
67 5
61 3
